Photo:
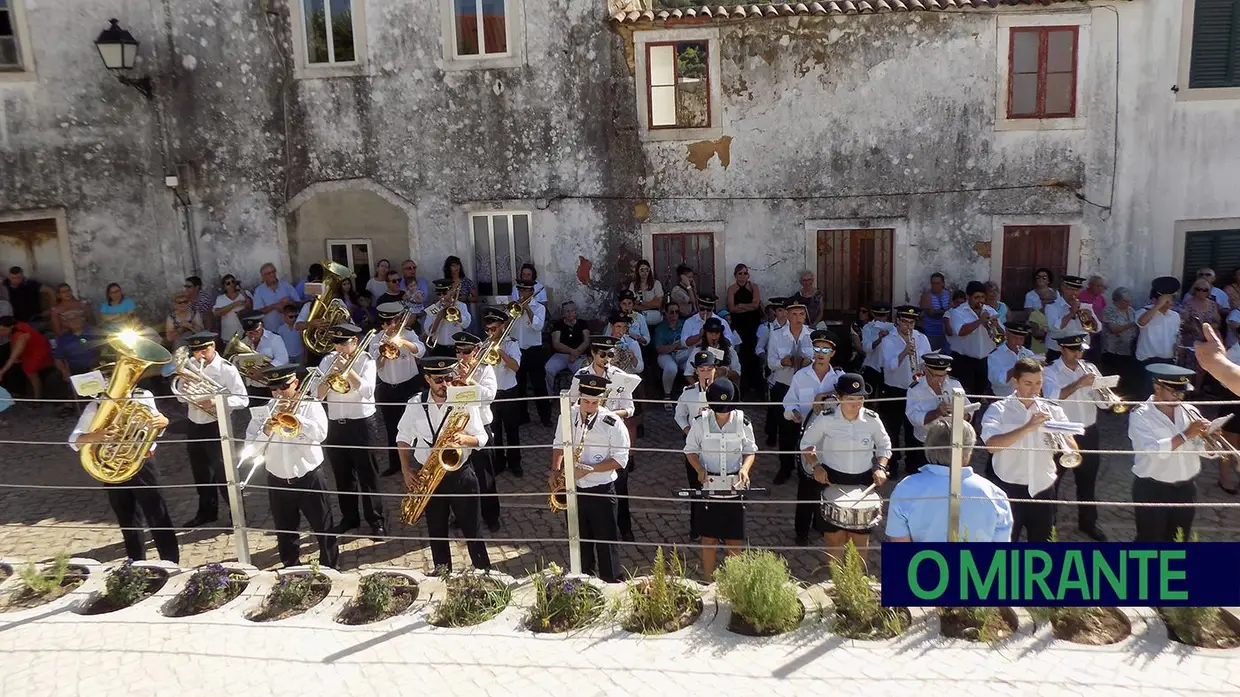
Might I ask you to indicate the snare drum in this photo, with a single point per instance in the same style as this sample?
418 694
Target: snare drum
846 508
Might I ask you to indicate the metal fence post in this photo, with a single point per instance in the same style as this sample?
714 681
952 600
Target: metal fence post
568 466
953 497
236 505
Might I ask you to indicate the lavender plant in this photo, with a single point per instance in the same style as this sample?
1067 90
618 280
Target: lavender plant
209 588
562 603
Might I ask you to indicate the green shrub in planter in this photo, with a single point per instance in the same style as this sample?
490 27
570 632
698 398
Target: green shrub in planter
859 612
379 596
127 585
666 601
294 594
43 586
471 598
1095 626
761 591
562 604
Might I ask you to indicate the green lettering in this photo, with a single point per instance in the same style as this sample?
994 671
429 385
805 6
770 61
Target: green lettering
1166 575
1072 576
1036 576
1143 557
1102 567
970 578
1014 561
915 586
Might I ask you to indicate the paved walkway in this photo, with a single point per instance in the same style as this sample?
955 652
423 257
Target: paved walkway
38 523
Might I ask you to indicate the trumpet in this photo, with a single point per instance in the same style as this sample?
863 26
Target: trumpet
1216 446
1105 396
448 305
1088 324
1069 458
335 378
996 330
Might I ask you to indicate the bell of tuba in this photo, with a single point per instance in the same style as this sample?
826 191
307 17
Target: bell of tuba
244 357
126 424
190 382
327 306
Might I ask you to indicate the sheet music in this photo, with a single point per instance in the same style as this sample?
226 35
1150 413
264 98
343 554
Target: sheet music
1067 427
1216 424
717 353
89 384
971 408
624 383
469 394
1108 382
723 482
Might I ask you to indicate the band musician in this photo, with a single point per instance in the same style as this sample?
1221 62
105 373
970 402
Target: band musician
721 443
420 429
269 345
621 406
846 447
927 401
1068 316
1000 362
602 442
692 403
206 460
812 390
788 350
528 331
468 347
141 494
352 430
1068 383
902 365
506 429
436 328
397 379
298 484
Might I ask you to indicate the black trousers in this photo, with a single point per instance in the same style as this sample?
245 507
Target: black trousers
507 431
893 418
971 372
1037 519
392 412
142 494
1086 478
596 520
465 508
694 483
483 466
533 374
1129 370
775 414
354 468
809 500
1161 523
206 461
289 505
623 519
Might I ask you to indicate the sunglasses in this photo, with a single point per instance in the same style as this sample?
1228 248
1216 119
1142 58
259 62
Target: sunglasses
742 273
823 350
230 283
1201 290
437 380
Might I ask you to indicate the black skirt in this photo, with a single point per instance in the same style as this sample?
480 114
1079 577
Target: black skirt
824 526
721 519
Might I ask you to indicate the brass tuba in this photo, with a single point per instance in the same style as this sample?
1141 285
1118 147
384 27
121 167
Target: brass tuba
190 382
128 433
327 306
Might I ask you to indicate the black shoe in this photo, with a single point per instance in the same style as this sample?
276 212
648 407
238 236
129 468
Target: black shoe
802 540
1094 533
782 477
200 520
390 471
627 537
694 537
378 530
517 471
493 526
343 527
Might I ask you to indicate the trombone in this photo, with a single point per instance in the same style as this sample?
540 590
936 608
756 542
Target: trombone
490 355
448 305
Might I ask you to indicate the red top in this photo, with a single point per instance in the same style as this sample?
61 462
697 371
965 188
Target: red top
37 355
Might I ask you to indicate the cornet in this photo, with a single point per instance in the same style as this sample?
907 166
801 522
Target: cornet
996 330
1069 458
1105 396
1086 318
1216 446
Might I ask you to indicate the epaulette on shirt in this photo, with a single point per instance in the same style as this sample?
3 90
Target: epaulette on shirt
609 420
871 412
747 423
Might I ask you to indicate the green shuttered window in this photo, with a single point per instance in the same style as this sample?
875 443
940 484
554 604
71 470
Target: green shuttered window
1215 60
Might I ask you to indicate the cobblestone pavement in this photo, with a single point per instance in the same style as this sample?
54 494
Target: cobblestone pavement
38 523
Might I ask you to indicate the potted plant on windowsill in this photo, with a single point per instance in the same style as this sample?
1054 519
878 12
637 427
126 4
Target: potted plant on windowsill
663 602
36 585
563 602
761 592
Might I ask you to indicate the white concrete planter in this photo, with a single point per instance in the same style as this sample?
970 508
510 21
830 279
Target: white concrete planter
921 626
698 626
177 584
723 615
263 583
1139 631
1024 632
524 598
69 602
349 587
508 620
1158 632
139 608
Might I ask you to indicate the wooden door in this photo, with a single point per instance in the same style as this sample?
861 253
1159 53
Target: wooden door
854 269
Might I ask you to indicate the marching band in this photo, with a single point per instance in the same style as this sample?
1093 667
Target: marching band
451 405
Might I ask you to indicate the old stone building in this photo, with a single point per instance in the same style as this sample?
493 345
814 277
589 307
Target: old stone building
873 141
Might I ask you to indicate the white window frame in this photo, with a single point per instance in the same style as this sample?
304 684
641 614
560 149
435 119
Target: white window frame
1185 94
514 23
713 72
515 267
348 245
1084 79
25 50
303 69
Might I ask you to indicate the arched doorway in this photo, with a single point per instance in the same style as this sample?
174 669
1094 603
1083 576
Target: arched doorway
354 223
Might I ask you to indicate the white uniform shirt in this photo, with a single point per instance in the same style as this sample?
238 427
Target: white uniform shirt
1055 377
978 343
1151 433
805 386
405 366
505 378
289 458
693 327
1017 464
692 402
1055 314
1033 301
605 437
764 336
897 370
356 403
227 377
721 449
781 345
613 403
529 332
272 346
420 433
138 395
871 344
847 446
1158 338
446 328
922 400
999 364
488 386
734 361
638 328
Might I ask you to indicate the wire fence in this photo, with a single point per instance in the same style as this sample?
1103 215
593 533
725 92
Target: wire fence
239 475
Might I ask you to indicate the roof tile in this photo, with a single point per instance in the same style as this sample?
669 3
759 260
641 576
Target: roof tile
718 13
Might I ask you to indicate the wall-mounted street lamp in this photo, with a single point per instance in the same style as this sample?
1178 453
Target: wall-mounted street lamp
119 51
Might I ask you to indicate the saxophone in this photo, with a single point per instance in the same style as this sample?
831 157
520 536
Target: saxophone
558 501
128 433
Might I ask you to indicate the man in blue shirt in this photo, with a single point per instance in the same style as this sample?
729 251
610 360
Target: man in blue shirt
77 351
918 510
273 296
292 338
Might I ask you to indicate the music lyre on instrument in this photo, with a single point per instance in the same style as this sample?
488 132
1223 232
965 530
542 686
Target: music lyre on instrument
1216 446
1069 458
1105 396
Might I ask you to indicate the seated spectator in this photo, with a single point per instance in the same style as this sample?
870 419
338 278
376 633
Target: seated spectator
202 302
673 354
77 351
182 321
29 349
230 305
67 304
918 510
28 296
292 338
116 310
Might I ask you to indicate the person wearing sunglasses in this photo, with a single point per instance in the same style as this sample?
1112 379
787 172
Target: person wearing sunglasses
812 390
230 305
903 353
467 347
